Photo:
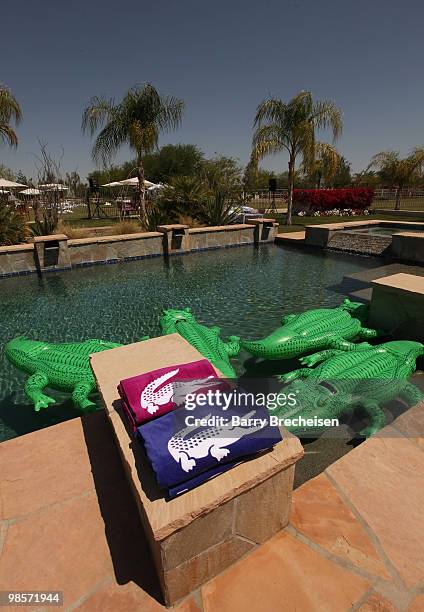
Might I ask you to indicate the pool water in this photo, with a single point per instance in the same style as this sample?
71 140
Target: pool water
385 230
243 290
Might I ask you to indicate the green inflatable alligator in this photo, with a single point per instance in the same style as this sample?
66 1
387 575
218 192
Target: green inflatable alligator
61 366
313 330
205 339
365 376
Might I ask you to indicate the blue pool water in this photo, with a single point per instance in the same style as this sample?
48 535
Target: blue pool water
244 290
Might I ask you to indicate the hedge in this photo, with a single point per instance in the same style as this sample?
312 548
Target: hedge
327 199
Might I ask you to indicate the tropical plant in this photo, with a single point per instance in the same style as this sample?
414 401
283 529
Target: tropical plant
397 172
157 214
217 209
291 127
324 166
13 228
137 121
44 227
10 111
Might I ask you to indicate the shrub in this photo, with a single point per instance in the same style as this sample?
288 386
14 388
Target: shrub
217 209
357 198
13 228
128 226
72 232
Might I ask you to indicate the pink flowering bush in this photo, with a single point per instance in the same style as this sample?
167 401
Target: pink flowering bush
355 198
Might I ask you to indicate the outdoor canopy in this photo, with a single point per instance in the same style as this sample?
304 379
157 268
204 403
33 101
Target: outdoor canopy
4 183
53 187
31 191
134 182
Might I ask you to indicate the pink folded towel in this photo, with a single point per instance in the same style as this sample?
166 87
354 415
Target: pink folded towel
147 396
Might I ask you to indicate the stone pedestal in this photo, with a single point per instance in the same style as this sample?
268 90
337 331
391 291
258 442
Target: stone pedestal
199 534
409 246
51 252
397 306
176 238
265 229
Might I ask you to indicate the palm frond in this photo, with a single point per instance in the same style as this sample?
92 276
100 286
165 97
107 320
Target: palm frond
97 112
137 120
9 107
327 115
8 135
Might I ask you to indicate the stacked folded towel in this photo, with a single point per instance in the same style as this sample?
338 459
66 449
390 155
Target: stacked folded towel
184 455
186 447
155 393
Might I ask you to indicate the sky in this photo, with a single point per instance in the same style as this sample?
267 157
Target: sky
223 58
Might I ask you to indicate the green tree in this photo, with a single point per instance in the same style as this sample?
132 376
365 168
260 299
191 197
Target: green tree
7 173
223 174
137 121
323 168
291 127
10 111
255 178
397 172
366 178
342 177
171 161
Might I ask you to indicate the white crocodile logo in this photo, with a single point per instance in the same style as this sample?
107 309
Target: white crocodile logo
185 449
152 397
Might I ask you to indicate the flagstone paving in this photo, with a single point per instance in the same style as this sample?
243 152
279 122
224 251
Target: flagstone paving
355 540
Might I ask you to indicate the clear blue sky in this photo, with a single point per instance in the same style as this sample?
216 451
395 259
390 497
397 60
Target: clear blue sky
222 58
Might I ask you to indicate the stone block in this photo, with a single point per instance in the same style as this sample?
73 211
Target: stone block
409 246
176 238
255 520
200 533
397 306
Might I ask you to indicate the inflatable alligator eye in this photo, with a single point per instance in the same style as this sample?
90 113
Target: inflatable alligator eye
187 309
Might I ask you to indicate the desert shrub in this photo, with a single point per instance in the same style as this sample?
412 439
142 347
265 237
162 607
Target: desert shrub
127 226
217 209
13 229
357 198
72 232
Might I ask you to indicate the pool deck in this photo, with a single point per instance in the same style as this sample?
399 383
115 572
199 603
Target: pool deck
355 539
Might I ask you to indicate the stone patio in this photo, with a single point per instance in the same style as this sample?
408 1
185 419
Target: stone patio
355 539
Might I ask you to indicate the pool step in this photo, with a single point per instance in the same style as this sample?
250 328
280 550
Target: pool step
363 295
364 278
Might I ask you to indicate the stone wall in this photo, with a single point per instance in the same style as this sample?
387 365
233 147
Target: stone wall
85 251
17 259
57 252
220 236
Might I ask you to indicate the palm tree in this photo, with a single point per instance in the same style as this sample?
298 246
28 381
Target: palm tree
398 172
325 165
9 111
291 126
137 121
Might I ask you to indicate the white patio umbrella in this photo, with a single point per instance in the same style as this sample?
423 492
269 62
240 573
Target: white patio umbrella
31 191
133 182
5 184
53 187
113 184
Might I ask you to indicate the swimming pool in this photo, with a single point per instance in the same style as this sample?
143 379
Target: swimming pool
243 290
386 229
